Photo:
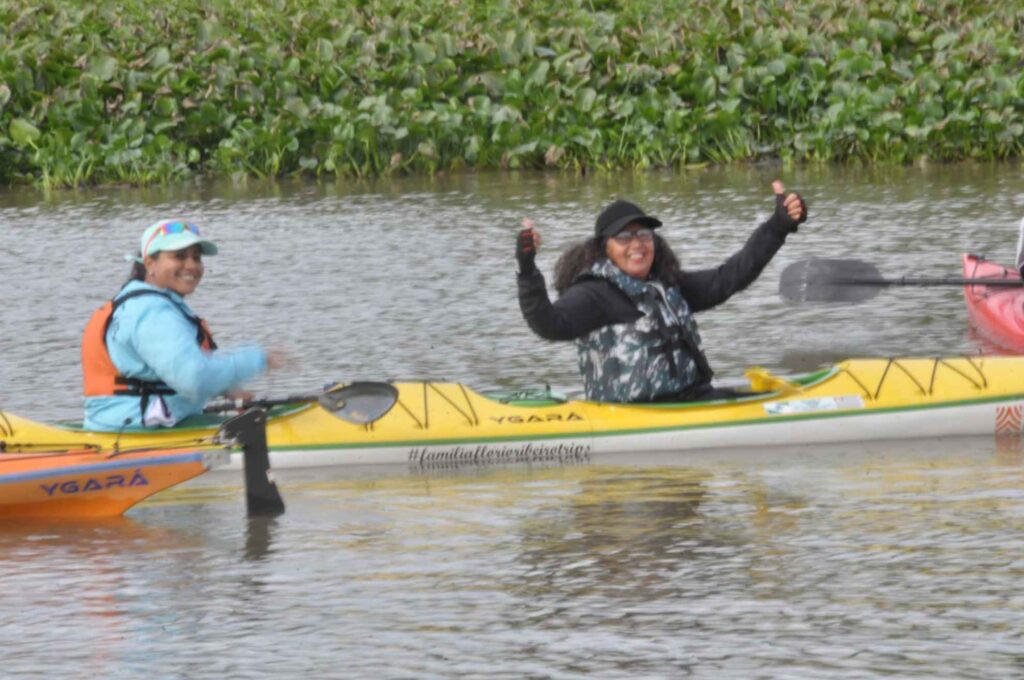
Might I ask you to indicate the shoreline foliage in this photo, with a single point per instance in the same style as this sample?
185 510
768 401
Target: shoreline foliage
142 92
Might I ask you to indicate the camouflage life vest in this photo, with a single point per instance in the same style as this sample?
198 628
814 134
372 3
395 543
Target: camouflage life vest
657 355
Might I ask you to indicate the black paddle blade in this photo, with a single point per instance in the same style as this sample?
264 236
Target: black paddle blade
249 430
360 402
828 280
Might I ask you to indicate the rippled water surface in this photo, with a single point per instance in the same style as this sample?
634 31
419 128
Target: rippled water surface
890 559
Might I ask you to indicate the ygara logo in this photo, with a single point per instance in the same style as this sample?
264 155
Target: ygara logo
98 483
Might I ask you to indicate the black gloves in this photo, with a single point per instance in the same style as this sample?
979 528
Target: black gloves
781 216
525 252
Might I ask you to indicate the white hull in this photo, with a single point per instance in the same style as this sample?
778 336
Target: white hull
858 426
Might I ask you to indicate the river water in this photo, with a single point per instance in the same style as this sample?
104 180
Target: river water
890 559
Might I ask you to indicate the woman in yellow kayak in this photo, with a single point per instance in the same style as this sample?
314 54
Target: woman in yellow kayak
147 359
629 307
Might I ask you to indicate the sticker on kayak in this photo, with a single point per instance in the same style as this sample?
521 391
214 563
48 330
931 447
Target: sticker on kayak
1009 419
565 452
797 406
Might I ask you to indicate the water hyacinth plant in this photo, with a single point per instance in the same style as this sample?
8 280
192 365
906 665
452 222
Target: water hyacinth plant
137 91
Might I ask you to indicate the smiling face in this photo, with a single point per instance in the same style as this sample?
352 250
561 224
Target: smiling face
632 250
177 270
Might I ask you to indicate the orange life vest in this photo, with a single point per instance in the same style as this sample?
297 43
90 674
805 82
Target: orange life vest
100 377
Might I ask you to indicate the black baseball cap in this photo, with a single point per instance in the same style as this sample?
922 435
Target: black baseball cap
620 215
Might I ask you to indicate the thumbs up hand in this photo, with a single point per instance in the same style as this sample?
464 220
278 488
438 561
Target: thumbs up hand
790 209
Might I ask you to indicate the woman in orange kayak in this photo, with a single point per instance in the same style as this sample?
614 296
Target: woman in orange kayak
147 359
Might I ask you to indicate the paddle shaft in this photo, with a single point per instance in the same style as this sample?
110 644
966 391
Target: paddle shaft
360 402
846 280
905 281
241 405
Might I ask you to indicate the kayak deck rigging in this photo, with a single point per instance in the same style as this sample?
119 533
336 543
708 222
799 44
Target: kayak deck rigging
540 398
471 417
937 362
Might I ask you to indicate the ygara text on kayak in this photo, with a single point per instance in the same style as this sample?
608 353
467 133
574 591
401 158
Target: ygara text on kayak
82 485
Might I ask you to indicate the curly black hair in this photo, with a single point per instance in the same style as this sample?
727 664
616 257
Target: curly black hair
581 256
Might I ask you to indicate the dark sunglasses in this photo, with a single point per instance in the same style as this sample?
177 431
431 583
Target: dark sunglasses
643 234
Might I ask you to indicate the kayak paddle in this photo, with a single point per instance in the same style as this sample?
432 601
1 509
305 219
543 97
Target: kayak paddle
834 280
249 431
358 402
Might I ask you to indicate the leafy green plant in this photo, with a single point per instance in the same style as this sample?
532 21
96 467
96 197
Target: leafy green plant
136 92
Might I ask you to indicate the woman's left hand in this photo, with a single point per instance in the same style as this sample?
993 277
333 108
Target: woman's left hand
790 207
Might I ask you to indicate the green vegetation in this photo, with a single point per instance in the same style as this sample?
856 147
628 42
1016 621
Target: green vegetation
140 91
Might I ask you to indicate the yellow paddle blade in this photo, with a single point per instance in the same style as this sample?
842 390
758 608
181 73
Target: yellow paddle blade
761 380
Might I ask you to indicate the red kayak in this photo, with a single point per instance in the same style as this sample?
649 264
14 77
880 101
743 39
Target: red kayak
997 313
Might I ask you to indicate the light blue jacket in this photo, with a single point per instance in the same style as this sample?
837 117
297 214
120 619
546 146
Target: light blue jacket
151 339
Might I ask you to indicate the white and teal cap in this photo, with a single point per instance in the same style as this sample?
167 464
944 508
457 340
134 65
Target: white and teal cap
173 235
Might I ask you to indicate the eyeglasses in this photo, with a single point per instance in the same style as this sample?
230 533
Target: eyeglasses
643 235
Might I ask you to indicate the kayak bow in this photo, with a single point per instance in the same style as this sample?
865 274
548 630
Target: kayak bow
88 484
996 311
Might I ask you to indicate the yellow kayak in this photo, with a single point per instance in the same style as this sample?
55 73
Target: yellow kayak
449 423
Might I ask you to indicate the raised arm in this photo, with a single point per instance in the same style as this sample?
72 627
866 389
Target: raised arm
707 288
581 309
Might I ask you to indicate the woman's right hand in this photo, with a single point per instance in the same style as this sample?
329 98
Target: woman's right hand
527 245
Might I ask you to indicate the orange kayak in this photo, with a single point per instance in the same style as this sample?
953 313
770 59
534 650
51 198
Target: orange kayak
87 483
997 313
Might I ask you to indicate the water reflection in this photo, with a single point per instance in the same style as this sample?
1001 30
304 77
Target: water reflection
616 526
28 540
807 561
93 573
259 536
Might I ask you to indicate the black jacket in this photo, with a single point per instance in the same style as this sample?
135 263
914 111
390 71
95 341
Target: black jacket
594 303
